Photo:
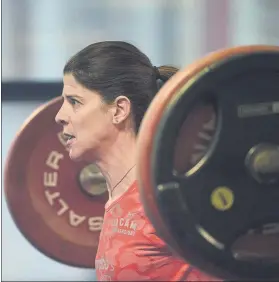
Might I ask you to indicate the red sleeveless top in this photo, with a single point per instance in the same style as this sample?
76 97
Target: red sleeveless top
129 248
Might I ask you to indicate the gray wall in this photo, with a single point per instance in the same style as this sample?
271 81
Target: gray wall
39 36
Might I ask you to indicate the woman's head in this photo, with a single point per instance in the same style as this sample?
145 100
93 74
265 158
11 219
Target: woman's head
108 87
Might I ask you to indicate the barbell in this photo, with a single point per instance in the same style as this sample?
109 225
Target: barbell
207 167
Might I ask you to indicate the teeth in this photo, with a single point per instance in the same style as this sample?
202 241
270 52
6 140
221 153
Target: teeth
68 136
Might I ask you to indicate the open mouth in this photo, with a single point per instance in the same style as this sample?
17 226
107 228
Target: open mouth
69 138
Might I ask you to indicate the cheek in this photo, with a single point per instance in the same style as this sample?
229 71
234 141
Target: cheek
80 122
101 125
92 124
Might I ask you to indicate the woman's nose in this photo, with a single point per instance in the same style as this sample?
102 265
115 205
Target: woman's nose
61 117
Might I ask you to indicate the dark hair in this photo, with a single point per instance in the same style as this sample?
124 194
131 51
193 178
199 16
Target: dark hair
114 68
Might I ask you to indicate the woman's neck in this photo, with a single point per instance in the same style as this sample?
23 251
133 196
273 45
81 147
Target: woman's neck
118 163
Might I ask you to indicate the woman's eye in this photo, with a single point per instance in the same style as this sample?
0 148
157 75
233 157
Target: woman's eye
73 101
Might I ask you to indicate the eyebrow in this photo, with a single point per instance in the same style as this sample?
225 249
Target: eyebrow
65 95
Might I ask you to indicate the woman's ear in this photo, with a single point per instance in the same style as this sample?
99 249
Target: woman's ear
121 109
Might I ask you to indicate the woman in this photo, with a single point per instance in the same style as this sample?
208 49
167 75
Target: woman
108 86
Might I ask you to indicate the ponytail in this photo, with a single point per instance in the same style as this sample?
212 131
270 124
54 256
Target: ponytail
163 73
166 72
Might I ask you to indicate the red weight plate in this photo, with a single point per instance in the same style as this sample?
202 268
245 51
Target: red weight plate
153 117
44 195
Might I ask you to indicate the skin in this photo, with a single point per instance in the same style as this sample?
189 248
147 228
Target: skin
103 133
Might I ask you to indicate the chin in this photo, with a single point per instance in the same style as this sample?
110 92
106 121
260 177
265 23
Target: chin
75 155
78 154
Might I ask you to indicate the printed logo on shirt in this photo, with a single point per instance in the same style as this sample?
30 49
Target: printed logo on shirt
116 211
105 277
123 226
103 264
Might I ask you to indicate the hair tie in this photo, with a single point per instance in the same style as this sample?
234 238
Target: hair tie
157 73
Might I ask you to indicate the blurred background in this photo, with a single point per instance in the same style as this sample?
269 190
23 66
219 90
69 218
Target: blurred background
38 37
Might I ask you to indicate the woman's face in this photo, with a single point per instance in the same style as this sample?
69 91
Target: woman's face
86 120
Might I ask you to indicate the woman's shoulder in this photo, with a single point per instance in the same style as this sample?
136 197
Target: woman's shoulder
131 198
